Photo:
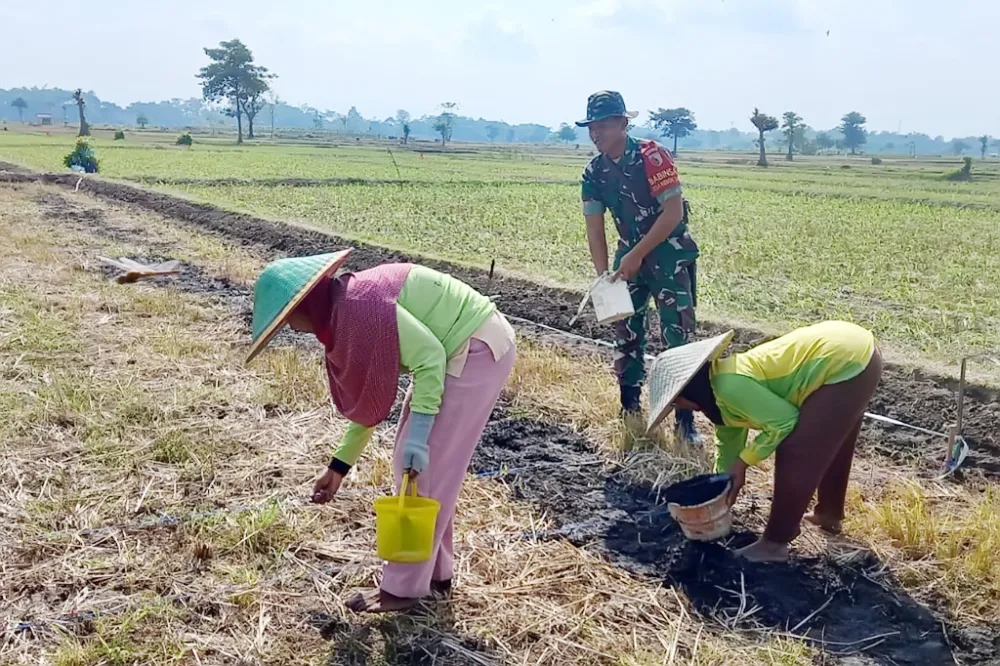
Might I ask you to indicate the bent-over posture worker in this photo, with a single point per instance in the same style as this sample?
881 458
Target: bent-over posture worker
805 393
374 324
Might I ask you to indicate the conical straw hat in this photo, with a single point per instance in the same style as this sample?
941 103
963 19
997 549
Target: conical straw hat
282 286
674 368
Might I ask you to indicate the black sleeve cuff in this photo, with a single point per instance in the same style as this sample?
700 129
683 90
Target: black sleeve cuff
340 467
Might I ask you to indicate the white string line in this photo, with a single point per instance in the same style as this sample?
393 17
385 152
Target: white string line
650 357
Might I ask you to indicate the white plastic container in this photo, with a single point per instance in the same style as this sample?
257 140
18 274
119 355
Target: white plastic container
612 302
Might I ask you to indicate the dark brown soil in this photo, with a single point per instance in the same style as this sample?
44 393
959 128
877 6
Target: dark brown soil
866 614
907 395
400 640
191 279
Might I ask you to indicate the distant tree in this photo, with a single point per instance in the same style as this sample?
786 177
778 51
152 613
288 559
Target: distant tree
791 129
889 147
20 105
824 142
984 142
406 133
343 122
535 133
802 144
141 120
444 126
318 121
257 89
272 101
80 103
958 146
232 76
763 123
853 128
566 133
963 174
403 116
510 135
355 119
677 123
255 104
445 123
492 132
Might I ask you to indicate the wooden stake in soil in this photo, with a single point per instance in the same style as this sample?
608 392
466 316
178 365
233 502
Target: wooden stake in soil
949 445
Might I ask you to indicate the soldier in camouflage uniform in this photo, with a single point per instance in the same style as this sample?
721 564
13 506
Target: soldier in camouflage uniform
637 180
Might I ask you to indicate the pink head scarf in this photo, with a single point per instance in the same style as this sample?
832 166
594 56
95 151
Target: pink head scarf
354 316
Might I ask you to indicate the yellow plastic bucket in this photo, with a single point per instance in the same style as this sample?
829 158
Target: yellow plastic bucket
404 526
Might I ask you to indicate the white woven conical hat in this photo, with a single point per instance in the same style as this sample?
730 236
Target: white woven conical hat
674 368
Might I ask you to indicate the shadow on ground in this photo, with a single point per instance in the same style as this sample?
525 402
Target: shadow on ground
426 638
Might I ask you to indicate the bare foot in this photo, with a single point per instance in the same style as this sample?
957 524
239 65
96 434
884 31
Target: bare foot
764 551
831 525
379 601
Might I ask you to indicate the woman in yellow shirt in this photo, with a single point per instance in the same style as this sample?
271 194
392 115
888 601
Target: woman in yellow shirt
805 393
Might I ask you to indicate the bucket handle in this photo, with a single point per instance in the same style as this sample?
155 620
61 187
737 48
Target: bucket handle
587 295
402 491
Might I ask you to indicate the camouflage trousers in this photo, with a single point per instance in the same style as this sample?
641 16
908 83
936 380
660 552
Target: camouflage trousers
669 281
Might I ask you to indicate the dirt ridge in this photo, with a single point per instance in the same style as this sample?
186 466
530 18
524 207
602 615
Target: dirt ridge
863 612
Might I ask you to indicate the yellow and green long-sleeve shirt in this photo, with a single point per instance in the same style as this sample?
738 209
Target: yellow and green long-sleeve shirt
435 315
763 388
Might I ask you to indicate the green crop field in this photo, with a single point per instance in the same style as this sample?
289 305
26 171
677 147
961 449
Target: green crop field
896 246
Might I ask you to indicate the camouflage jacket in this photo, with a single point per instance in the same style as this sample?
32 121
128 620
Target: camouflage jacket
634 189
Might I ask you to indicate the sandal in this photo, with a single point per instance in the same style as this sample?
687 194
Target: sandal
378 601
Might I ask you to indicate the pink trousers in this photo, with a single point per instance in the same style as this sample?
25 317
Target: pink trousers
466 406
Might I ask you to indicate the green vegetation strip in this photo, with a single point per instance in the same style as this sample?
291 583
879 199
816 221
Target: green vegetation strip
919 281
801 241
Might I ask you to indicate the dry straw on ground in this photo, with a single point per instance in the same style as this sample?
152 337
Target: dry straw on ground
152 489
153 497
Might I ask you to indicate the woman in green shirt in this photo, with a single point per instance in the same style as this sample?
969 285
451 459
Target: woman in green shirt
373 325
805 394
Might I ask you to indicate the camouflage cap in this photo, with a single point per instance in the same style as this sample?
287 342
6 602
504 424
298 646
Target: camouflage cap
605 104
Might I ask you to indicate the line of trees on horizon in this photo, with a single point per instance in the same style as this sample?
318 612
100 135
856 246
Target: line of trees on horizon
235 88
17 105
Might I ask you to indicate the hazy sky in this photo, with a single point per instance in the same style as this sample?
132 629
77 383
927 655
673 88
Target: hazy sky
919 65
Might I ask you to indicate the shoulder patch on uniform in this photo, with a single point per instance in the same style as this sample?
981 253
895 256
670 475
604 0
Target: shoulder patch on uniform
660 170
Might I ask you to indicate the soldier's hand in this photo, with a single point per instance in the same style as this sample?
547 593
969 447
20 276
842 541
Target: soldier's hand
629 266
